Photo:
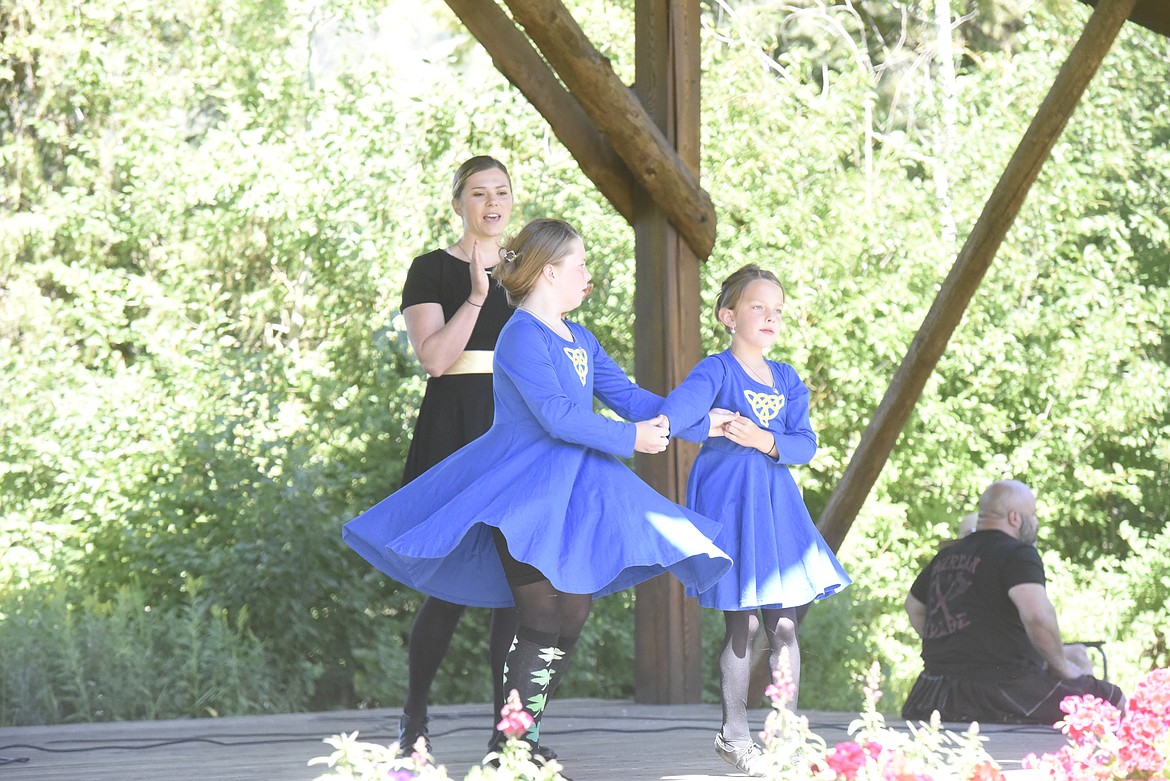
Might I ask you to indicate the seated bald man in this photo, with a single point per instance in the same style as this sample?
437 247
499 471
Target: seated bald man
991 646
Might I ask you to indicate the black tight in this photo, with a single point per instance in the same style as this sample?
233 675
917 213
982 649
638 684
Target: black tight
549 623
543 609
735 661
430 637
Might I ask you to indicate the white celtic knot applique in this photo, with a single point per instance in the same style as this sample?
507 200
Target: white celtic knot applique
580 361
766 405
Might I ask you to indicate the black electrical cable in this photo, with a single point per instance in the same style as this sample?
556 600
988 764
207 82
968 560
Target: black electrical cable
682 724
278 738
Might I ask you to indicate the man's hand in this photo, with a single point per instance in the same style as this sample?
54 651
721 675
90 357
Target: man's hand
1077 657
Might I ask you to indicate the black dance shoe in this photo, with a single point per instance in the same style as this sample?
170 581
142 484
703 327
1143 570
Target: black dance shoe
409 731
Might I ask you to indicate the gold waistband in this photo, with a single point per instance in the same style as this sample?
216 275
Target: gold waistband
472 362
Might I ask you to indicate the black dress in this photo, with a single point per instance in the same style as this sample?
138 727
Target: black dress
456 408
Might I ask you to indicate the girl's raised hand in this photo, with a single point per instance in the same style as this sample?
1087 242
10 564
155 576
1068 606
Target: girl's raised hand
652 435
479 276
742 431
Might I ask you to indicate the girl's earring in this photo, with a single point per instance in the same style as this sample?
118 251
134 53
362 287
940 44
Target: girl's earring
733 330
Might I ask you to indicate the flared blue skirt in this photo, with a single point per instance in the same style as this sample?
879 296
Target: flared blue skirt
578 515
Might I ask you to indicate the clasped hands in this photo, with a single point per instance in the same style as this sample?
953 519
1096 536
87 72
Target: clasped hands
654 435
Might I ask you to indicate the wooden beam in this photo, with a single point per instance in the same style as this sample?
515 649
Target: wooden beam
668 642
615 110
973 261
522 65
1151 14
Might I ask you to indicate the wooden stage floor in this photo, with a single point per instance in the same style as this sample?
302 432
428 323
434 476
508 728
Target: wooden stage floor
597 740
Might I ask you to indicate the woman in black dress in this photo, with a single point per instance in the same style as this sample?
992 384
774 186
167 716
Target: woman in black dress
453 316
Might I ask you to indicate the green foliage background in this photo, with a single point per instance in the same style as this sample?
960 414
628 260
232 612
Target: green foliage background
207 212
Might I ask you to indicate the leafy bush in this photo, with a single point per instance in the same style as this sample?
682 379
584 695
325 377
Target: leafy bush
69 658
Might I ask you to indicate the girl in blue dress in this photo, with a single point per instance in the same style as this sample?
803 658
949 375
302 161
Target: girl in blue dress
538 511
742 480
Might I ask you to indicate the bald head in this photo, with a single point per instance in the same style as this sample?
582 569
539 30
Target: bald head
1009 506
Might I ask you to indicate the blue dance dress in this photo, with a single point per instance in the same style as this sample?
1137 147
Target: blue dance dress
546 476
780 559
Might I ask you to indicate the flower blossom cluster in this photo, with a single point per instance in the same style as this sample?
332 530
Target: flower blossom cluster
1108 745
1104 745
876 753
848 758
353 760
515 721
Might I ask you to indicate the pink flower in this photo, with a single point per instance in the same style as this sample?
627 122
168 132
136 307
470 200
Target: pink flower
847 758
1088 718
1152 694
516 721
1137 757
1106 745
779 693
897 768
1053 766
1141 727
782 690
985 771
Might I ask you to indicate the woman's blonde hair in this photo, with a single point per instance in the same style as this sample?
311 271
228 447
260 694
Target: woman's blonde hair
523 257
735 285
473 166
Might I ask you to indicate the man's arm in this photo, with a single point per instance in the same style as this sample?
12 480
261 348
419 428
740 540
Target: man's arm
916 609
1039 619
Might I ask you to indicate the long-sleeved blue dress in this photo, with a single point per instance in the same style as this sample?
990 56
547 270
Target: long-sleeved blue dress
780 559
546 475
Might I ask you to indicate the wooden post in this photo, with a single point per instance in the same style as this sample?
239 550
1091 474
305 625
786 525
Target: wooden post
974 259
668 651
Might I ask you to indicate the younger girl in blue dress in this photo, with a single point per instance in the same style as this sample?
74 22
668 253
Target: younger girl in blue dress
538 511
742 480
